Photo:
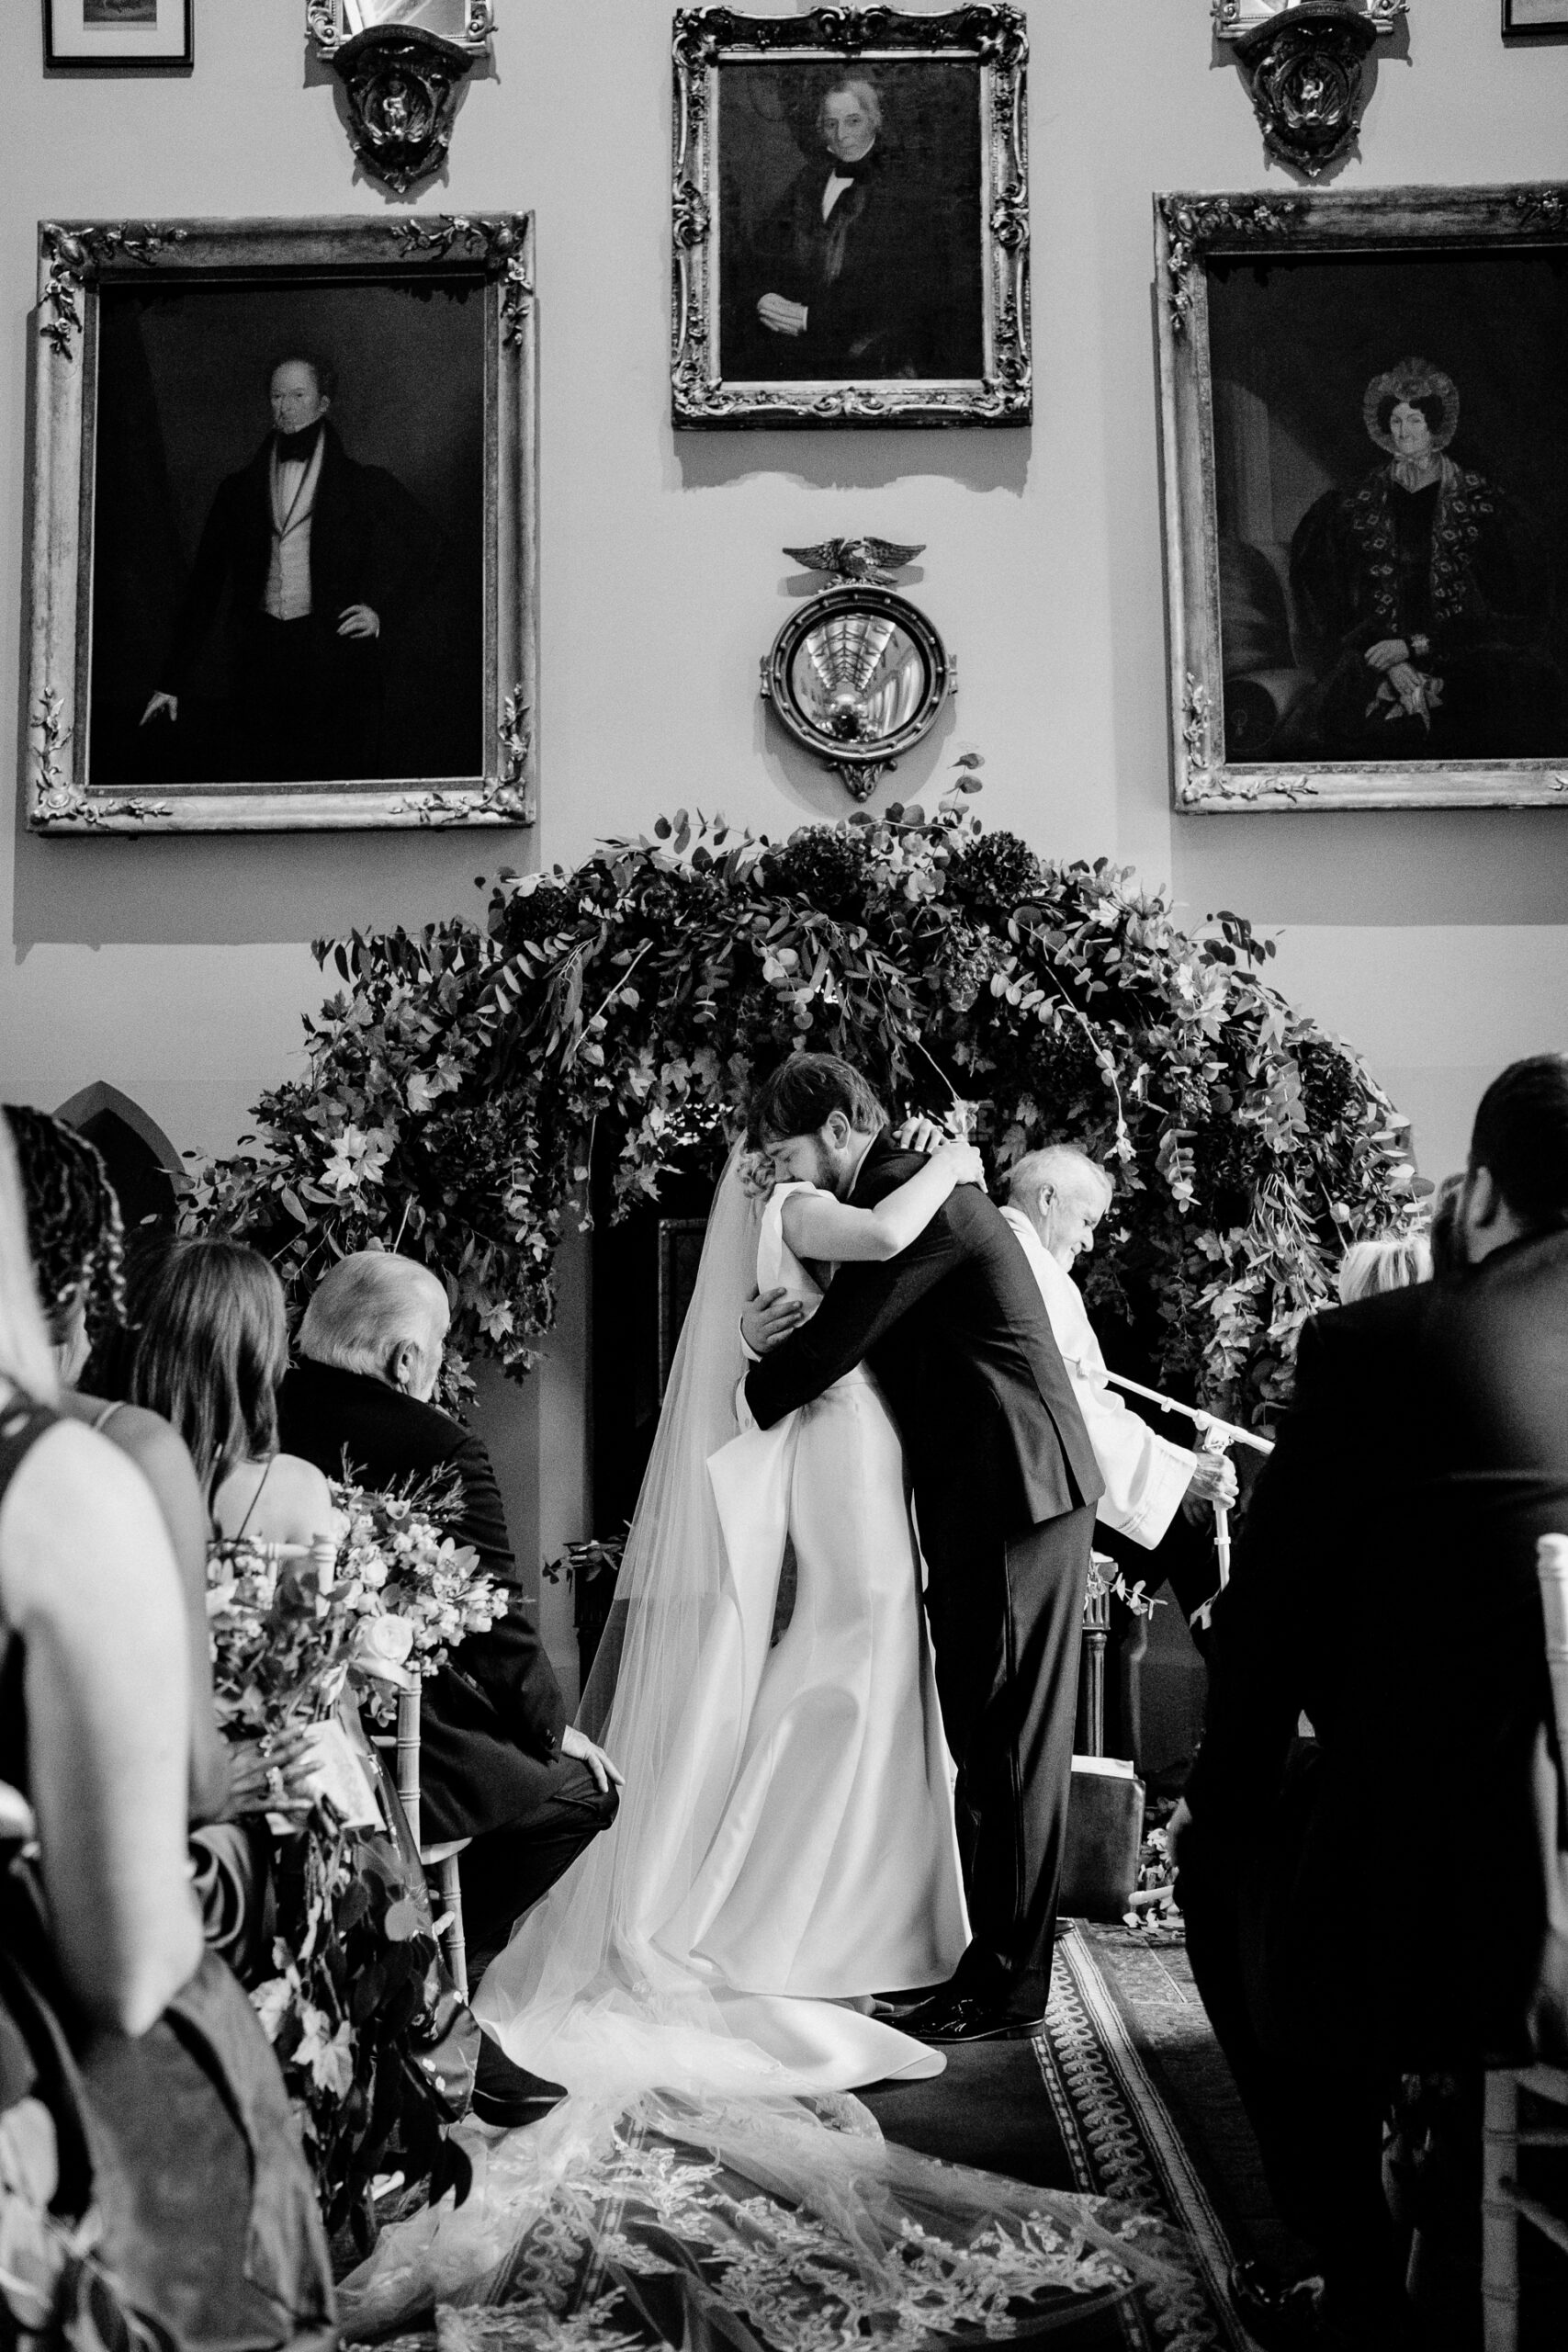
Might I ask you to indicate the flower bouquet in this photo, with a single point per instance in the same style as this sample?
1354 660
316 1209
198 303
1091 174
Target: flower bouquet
356 1992
290 1623
412 1592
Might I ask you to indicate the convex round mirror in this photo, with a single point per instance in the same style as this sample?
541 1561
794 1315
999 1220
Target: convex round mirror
858 675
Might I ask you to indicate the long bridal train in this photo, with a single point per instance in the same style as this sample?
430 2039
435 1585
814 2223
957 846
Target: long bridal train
785 1847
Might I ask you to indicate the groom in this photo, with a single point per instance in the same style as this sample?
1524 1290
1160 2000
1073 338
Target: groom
1005 1487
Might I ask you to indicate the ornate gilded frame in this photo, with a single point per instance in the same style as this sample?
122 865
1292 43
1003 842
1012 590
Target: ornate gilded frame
994 34
1191 232
76 260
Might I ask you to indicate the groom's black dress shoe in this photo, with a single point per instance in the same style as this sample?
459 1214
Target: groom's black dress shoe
959 2017
507 2094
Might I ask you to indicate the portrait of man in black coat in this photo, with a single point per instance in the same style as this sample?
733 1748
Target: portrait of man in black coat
313 556
865 264
287 537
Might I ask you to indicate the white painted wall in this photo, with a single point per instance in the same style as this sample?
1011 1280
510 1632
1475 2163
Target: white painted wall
178 969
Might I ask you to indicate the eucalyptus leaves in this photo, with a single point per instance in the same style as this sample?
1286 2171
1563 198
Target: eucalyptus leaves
459 1084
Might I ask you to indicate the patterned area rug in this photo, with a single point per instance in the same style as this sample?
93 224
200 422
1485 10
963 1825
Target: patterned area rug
1110 2087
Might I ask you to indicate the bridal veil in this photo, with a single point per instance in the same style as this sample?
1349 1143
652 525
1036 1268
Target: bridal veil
694 2188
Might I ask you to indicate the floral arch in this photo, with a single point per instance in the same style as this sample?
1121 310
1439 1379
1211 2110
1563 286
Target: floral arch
461 1083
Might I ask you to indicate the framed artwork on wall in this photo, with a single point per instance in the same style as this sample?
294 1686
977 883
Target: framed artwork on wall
1534 19
151 33
1364 424
284 525
851 218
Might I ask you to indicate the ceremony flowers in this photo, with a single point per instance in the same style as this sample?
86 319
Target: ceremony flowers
357 1997
470 1088
388 1599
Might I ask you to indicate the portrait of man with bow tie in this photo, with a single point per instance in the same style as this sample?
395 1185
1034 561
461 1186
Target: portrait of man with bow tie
287 561
855 221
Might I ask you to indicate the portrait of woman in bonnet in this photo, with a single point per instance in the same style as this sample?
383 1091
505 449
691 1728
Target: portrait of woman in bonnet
1424 598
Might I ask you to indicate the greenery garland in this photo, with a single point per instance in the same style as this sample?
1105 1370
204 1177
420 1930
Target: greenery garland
457 1090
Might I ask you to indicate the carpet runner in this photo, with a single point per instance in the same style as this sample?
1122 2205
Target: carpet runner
1123 2093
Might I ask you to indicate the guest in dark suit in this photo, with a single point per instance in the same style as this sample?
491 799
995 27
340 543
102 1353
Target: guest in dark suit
499 1763
313 558
1369 1905
856 271
1005 1486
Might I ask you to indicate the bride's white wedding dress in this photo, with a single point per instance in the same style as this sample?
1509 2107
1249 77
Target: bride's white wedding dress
785 1847
786 1844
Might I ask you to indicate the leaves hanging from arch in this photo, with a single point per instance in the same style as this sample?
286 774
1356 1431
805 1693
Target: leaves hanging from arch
456 1083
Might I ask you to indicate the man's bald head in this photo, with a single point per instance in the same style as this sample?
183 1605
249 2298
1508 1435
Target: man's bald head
380 1315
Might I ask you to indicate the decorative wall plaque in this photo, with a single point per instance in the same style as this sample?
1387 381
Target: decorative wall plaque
1305 62
401 62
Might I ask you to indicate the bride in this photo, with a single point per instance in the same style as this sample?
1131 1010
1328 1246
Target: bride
785 1846
701 1980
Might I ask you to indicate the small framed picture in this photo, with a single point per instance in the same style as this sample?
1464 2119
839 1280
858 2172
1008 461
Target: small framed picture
153 33
1534 19
851 218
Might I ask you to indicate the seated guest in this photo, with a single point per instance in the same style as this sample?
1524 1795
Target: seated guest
1386 1586
175 2105
1056 1198
75 1236
499 1763
211 1346
1390 1263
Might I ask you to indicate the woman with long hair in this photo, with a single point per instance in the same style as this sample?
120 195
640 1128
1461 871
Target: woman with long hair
76 1243
212 1347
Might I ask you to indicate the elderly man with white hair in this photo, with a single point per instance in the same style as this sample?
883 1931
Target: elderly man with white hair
499 1762
1056 1197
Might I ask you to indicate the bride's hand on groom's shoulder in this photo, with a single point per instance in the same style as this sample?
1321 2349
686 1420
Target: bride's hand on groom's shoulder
767 1317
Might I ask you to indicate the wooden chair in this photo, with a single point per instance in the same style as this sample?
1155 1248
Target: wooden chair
1503 2204
441 1858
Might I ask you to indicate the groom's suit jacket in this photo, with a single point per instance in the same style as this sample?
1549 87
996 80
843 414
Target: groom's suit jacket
957 1335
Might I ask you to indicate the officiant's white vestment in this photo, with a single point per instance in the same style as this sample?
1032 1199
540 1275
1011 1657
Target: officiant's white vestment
1145 1475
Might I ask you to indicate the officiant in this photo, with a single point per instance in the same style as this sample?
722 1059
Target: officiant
1056 1198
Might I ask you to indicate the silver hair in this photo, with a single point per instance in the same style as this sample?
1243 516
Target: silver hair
1391 1263
368 1306
864 91
1061 1166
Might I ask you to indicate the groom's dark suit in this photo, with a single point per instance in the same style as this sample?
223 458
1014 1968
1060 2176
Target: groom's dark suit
1005 1484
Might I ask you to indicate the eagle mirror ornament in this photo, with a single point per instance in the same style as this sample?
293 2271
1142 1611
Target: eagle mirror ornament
858 674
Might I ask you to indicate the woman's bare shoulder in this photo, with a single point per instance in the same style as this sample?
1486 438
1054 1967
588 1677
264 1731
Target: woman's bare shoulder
286 1500
72 1495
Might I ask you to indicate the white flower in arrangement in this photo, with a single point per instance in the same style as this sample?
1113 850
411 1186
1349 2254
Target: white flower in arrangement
382 1645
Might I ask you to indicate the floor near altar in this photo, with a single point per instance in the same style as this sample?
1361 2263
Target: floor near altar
1123 2094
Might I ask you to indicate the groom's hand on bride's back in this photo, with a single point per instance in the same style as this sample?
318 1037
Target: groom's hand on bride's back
769 1317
